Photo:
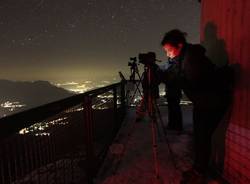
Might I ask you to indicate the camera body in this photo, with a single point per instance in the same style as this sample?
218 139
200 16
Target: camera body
147 58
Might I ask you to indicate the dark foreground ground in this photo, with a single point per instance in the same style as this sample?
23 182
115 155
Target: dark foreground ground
130 159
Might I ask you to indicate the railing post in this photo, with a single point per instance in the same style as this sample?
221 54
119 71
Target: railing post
115 109
88 112
123 98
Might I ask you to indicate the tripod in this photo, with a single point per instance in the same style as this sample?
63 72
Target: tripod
153 112
135 71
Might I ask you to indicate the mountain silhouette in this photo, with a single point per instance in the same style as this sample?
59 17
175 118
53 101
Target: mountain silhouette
31 94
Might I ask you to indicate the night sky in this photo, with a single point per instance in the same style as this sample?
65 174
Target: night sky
77 40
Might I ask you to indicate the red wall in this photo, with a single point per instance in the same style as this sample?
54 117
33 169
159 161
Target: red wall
225 32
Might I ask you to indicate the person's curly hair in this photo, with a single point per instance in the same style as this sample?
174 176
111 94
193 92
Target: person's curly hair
174 37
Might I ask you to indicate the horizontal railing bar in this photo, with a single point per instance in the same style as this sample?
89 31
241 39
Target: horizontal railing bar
13 123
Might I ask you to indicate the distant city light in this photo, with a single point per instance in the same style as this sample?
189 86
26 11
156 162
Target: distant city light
42 134
88 82
67 83
39 128
12 106
78 90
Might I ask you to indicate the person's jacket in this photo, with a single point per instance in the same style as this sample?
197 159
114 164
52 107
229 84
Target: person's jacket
198 78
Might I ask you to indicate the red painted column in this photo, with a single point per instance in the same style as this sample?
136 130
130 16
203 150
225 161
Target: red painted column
225 32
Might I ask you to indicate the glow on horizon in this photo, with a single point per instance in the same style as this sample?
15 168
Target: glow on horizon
67 83
79 90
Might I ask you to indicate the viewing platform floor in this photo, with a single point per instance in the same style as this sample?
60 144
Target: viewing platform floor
130 159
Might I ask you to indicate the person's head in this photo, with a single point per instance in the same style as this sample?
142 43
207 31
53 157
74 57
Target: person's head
173 42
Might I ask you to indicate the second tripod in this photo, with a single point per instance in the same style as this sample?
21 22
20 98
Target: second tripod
134 72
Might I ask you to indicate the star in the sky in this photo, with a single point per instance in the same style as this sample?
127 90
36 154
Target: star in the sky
112 28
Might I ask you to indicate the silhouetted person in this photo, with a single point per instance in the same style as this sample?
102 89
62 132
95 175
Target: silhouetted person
171 71
197 79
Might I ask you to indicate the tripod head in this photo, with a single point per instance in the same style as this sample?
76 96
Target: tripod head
133 68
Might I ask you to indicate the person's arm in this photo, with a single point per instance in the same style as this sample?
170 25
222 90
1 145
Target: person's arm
165 66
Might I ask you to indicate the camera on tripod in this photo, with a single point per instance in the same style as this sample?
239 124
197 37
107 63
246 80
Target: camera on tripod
149 84
147 58
133 63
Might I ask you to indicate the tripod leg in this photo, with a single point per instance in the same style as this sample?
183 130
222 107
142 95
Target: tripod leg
158 130
153 122
160 118
140 79
154 147
141 109
155 109
157 179
165 136
137 89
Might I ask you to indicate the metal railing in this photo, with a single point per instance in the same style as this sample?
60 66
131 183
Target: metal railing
61 142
